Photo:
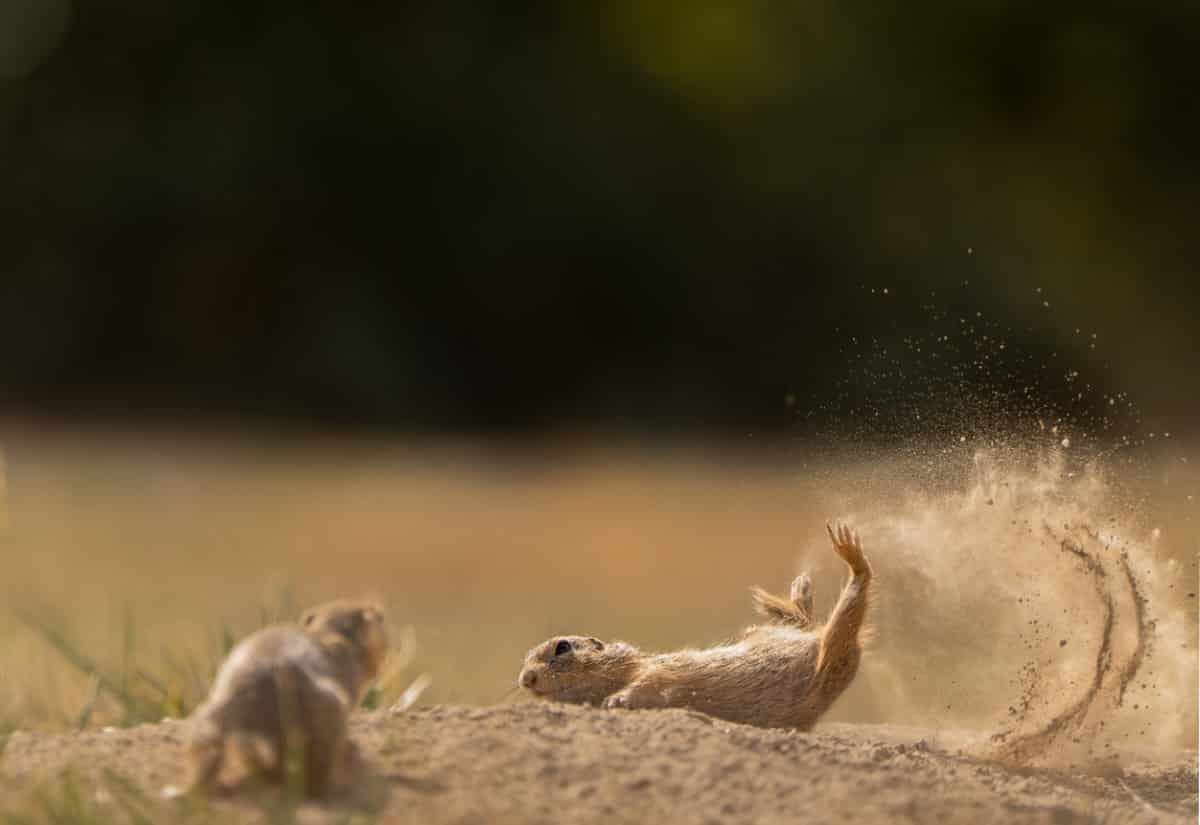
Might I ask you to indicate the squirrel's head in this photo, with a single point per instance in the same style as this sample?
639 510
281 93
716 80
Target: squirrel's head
360 623
577 669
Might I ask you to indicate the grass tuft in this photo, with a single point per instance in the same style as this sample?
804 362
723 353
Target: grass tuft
135 706
130 694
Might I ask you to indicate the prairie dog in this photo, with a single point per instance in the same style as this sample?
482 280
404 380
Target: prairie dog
289 689
784 673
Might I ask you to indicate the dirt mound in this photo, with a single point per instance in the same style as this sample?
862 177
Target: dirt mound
547 763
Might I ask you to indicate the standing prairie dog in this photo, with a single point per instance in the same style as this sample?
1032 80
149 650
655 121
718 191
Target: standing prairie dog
784 673
289 689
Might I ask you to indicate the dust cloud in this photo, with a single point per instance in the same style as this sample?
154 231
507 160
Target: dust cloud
1022 592
1033 534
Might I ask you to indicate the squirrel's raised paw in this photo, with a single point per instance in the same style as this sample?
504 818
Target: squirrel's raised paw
848 546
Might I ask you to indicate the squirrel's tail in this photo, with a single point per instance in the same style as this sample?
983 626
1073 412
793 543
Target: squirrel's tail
795 611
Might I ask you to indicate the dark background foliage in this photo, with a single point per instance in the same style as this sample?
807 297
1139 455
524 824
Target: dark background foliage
476 217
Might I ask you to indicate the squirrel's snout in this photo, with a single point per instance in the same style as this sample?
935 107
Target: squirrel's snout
528 678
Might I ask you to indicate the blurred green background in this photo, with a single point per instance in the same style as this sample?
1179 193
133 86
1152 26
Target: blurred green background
484 217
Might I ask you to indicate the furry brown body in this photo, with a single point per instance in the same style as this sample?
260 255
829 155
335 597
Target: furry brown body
785 673
289 689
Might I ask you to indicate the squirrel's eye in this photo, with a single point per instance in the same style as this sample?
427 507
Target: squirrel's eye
562 647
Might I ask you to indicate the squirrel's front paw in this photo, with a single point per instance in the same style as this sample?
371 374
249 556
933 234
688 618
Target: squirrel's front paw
616 701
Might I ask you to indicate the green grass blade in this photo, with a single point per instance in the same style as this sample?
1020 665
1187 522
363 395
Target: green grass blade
85 714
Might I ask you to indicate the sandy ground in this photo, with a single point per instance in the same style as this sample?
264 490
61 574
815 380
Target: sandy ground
542 763
1030 594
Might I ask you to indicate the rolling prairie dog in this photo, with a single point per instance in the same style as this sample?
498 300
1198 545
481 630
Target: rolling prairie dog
784 673
289 689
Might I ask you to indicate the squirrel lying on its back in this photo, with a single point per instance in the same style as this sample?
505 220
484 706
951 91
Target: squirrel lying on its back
785 673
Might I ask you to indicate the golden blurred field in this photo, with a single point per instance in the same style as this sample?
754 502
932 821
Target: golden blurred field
143 550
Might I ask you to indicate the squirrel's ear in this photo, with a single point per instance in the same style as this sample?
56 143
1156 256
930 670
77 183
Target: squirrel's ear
596 643
307 618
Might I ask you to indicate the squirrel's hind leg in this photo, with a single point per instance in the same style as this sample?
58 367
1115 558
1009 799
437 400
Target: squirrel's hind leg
262 757
839 639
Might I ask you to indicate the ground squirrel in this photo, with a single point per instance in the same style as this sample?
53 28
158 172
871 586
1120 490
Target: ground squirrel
289 689
785 673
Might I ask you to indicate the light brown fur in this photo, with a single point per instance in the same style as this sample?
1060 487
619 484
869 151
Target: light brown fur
785 673
290 689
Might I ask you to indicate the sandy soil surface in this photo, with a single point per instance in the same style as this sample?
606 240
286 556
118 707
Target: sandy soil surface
535 762
1034 595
